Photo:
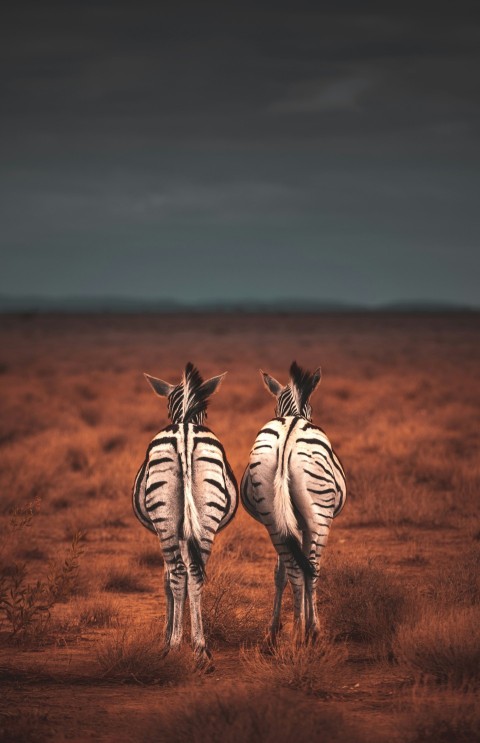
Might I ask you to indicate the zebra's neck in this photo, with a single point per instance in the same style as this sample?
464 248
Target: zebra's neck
287 405
197 419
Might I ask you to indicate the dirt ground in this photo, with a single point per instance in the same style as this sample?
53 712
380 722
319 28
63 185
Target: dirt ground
81 584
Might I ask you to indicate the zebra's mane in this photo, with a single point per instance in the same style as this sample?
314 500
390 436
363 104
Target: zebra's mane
303 383
189 400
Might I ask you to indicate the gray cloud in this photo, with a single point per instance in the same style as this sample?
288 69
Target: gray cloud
350 138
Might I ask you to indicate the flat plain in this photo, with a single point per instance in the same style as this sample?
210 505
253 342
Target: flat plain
81 584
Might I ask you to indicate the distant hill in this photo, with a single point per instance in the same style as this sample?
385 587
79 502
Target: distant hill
121 305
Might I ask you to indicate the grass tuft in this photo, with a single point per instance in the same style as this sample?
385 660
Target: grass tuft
135 654
361 603
314 669
442 647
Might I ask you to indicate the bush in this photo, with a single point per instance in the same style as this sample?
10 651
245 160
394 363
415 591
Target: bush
314 669
361 603
100 612
228 612
443 648
135 654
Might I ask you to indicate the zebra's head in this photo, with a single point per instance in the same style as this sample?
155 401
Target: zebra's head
188 400
294 398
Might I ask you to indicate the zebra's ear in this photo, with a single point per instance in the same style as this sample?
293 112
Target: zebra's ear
317 375
161 388
271 384
211 385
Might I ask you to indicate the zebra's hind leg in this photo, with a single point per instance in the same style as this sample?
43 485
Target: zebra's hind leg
297 581
195 587
178 586
280 580
312 624
169 608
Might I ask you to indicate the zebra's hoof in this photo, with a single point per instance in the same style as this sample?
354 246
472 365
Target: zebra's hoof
269 644
204 662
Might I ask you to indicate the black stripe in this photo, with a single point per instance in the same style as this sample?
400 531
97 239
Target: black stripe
214 518
292 426
216 484
322 492
155 505
163 440
262 446
204 440
328 449
215 505
158 519
255 464
136 498
269 430
211 460
317 477
155 486
154 462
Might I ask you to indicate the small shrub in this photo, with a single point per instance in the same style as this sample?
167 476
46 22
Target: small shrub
63 579
229 615
442 647
25 606
135 654
100 612
314 669
361 603
119 581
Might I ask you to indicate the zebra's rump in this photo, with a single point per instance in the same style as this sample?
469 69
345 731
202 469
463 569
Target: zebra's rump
301 450
180 457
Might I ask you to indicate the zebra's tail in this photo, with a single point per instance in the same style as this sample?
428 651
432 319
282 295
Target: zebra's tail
196 556
285 519
302 560
192 531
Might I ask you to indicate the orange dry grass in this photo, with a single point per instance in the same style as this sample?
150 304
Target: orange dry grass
400 401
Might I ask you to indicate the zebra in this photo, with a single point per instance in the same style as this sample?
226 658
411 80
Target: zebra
185 492
294 485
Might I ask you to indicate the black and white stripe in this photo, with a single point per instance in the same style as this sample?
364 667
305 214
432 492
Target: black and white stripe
185 492
294 485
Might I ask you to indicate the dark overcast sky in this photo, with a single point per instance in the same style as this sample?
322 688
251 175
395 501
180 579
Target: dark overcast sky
324 150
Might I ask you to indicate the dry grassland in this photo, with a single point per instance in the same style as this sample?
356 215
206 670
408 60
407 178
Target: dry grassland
81 584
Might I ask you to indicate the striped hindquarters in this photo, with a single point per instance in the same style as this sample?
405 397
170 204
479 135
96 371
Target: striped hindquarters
185 486
323 474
